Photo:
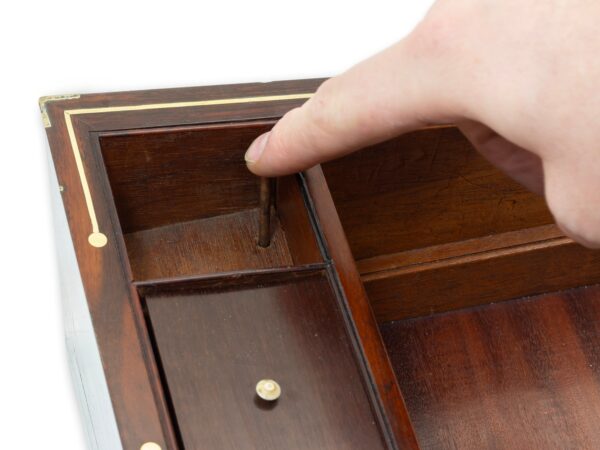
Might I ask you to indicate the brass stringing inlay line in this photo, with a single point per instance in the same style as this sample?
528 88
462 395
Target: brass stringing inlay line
97 238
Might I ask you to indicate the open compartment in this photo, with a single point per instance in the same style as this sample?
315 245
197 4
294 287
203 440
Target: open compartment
439 236
186 306
188 206
434 227
222 310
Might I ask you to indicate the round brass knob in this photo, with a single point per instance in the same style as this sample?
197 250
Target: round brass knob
268 390
150 446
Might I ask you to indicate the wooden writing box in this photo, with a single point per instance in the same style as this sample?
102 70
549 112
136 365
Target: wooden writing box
378 306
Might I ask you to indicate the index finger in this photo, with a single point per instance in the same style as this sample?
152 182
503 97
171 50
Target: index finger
389 94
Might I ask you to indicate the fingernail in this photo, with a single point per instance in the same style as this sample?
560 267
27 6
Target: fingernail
256 148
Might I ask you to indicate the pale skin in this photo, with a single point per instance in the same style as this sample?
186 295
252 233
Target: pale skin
521 78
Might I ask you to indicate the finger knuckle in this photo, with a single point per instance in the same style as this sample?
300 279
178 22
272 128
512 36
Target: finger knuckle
321 110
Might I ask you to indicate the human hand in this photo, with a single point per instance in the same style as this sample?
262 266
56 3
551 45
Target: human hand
519 78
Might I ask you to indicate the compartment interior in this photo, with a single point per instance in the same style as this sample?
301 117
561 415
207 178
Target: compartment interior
425 212
188 206
429 222
427 190
439 236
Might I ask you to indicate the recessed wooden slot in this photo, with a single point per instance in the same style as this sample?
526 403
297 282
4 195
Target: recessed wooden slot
439 235
188 205
434 227
286 326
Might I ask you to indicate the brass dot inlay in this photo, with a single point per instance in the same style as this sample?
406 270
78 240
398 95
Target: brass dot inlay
98 240
268 390
150 446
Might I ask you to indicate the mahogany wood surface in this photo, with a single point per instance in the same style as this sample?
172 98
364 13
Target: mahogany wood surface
140 119
432 227
141 406
373 267
227 242
425 188
215 346
294 219
131 374
129 367
523 374
165 176
217 244
379 371
425 212
239 279
479 278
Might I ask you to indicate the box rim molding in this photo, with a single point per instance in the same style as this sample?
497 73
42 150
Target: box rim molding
96 238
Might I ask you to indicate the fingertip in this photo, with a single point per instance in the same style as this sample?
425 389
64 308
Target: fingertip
256 149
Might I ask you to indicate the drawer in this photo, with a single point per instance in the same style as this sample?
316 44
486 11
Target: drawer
214 346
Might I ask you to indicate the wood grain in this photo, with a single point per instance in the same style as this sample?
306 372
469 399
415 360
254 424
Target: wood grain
223 281
217 244
374 267
378 370
215 346
426 188
523 374
479 278
128 362
167 176
433 227
293 216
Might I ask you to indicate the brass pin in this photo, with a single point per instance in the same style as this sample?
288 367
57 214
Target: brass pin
264 218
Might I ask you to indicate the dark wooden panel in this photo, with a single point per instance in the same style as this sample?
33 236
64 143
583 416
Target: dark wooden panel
160 177
479 278
223 281
518 375
215 346
426 188
456 250
217 244
140 118
127 358
379 370
129 368
294 219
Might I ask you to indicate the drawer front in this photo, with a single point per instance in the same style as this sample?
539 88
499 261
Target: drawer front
214 346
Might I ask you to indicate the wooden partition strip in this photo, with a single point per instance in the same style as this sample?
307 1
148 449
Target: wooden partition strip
378 266
476 279
381 373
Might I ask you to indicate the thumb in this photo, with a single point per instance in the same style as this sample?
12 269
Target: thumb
389 94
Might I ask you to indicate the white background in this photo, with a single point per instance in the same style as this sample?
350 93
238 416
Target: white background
57 47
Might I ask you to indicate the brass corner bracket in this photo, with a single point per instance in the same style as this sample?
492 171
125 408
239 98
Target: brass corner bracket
52 98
